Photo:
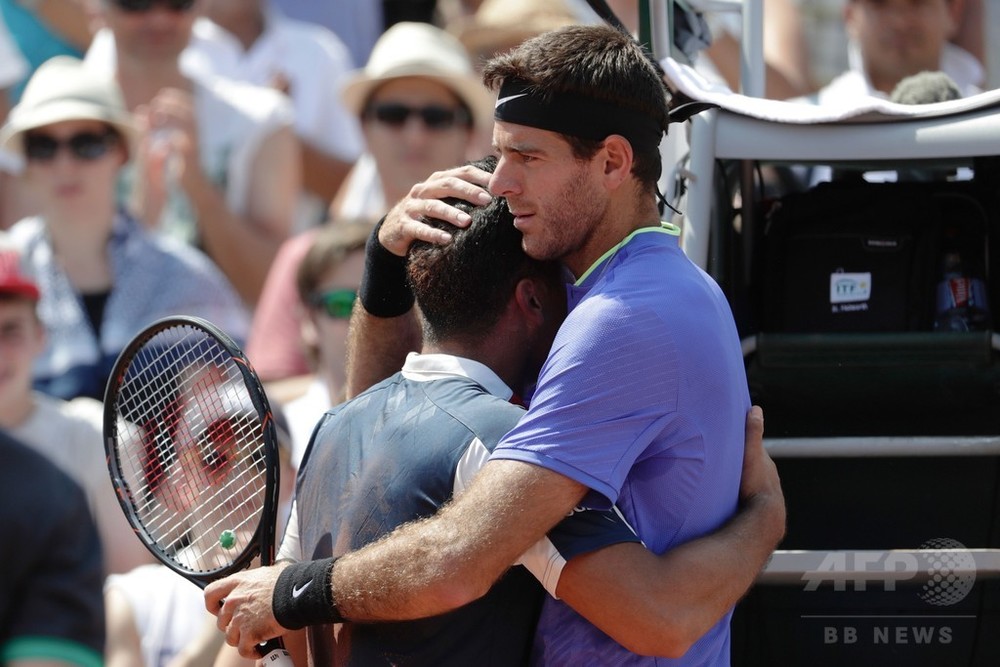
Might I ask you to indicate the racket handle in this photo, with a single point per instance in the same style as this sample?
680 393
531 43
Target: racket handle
275 655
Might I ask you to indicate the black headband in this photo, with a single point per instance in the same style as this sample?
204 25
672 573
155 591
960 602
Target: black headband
575 115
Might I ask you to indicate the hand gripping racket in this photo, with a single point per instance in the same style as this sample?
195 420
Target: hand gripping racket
192 453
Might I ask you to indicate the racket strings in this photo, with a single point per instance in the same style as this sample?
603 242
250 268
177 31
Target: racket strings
190 448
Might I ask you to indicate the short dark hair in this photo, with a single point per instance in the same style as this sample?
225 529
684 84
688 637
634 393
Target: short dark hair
462 288
596 61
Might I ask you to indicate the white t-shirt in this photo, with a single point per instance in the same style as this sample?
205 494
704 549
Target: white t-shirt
311 58
169 611
961 66
234 119
313 61
196 59
303 414
362 196
71 435
315 64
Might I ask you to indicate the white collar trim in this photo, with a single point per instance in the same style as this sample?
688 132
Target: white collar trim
429 367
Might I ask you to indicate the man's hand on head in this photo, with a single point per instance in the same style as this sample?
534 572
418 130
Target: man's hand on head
242 605
404 223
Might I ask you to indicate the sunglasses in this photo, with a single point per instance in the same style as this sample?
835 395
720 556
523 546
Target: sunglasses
434 117
136 6
86 146
336 303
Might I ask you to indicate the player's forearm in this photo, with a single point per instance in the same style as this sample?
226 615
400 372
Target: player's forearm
384 325
421 569
438 564
417 573
661 605
322 173
715 571
242 249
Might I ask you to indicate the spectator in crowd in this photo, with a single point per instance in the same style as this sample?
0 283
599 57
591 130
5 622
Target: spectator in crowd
152 615
787 68
43 29
889 40
68 433
218 164
51 612
281 341
12 68
327 284
358 23
261 46
787 72
102 275
421 109
822 22
970 34
499 25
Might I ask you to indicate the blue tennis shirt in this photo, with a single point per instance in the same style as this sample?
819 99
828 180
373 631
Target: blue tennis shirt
643 399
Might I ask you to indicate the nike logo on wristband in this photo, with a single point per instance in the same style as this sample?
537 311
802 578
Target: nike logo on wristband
299 590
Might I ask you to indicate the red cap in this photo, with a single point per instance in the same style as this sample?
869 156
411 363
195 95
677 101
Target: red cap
12 281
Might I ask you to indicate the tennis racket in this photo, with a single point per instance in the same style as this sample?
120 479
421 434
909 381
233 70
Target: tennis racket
192 453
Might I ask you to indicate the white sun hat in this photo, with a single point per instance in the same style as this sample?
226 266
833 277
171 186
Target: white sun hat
410 49
62 89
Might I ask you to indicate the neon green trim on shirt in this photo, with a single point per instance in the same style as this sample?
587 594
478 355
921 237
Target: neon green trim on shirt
50 648
664 228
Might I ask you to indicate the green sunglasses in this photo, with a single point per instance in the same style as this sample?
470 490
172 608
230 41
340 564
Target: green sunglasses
335 303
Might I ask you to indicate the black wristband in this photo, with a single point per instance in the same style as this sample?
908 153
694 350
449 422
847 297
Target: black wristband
302 595
384 290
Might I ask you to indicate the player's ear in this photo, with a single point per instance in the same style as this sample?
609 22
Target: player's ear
618 157
529 300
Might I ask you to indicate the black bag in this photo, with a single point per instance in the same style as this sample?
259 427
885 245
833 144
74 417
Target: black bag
835 357
857 257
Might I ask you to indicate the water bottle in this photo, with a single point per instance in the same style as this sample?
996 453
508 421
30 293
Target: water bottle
961 298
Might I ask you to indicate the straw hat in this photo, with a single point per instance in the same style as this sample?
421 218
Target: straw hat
61 89
499 24
410 49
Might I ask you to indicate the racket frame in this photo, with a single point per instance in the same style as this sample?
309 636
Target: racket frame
263 540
